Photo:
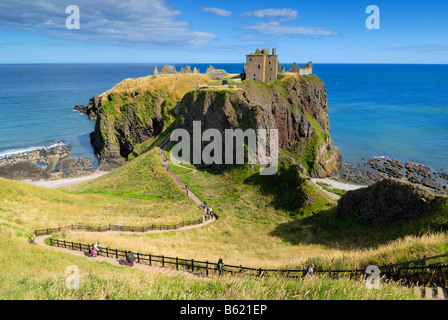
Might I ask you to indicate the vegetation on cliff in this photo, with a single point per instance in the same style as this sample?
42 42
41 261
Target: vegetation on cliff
280 221
295 105
136 110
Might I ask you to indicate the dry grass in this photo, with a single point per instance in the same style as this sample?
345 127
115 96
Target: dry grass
177 84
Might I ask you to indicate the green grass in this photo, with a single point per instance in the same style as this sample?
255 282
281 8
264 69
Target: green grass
178 170
328 188
258 226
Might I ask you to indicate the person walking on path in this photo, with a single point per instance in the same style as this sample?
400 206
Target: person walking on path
309 270
92 250
211 213
95 248
130 259
186 189
220 267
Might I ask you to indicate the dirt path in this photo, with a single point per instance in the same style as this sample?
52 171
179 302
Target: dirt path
120 262
40 240
54 184
336 185
177 178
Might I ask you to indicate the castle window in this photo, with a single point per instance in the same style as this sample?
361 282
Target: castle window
269 62
259 66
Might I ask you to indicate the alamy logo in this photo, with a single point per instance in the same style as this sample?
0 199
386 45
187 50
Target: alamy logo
373 277
73 20
373 21
189 150
72 280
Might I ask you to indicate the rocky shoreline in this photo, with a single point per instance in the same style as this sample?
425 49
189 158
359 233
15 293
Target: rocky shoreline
52 164
368 172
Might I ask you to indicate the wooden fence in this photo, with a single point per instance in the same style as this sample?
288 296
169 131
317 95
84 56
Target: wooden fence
117 227
409 272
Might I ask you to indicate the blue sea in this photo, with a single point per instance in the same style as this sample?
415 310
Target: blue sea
397 111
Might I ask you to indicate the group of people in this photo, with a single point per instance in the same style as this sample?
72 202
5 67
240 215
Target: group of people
94 249
208 212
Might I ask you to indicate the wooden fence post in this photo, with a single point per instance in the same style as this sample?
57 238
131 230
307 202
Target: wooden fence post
138 257
80 246
116 253
177 263
150 262
107 252
206 268
163 261
192 265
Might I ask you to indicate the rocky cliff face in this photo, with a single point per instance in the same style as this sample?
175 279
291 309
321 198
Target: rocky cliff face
296 106
133 112
91 109
123 122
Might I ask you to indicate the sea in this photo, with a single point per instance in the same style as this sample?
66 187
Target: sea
376 110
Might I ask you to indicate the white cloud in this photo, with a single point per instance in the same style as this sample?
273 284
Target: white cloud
218 12
272 13
118 22
276 28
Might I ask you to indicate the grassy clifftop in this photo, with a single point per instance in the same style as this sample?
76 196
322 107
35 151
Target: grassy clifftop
136 110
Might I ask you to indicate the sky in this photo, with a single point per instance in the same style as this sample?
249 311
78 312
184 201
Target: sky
174 31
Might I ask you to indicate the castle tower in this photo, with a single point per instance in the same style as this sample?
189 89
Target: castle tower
262 66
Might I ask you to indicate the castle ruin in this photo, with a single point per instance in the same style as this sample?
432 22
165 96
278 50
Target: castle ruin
304 70
262 66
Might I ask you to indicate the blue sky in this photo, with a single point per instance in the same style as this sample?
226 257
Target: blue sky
162 31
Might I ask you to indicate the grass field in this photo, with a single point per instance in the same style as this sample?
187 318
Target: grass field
251 231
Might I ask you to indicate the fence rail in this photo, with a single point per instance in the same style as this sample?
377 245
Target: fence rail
423 274
117 227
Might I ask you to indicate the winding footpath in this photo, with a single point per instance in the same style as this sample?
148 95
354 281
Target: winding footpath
40 240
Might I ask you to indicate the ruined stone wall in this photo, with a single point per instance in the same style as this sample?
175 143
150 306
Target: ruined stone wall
255 66
306 69
271 67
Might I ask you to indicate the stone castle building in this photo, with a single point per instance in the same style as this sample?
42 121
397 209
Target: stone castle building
262 66
304 70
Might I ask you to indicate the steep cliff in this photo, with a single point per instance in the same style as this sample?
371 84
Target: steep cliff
134 111
295 105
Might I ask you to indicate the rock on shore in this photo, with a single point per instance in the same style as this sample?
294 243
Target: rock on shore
377 169
50 164
91 109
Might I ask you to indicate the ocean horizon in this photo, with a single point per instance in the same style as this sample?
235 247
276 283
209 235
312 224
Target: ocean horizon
398 111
